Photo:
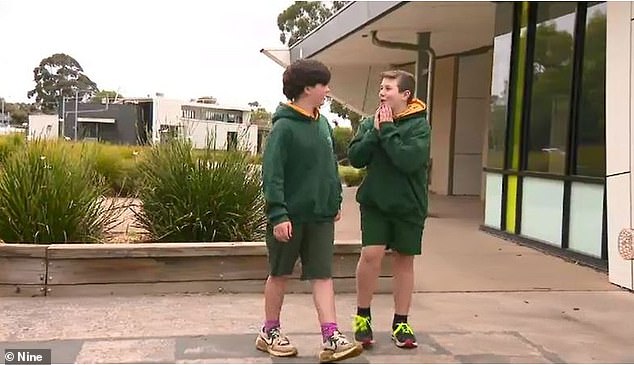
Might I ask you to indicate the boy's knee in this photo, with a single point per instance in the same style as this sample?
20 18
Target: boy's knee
372 255
402 260
278 279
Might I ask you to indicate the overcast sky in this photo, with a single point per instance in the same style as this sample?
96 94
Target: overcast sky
184 49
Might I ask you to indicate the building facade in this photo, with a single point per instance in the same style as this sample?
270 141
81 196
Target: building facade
529 102
222 128
156 119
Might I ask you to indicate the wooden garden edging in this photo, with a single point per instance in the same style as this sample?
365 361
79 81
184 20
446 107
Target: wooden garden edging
155 268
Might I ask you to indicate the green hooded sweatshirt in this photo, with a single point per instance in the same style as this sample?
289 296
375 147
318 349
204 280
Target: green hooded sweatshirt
397 160
301 178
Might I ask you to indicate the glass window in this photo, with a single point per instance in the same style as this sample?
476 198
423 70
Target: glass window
502 44
551 89
591 117
493 202
586 218
232 141
542 209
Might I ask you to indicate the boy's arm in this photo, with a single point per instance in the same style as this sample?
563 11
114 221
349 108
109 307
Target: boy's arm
339 192
361 147
409 154
273 162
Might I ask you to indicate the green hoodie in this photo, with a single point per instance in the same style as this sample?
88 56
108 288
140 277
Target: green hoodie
301 179
397 159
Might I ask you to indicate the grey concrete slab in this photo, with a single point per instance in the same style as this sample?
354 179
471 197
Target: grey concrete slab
127 351
479 299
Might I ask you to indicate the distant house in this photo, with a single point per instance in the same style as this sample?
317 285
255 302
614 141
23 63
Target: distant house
222 127
115 123
43 126
150 120
5 118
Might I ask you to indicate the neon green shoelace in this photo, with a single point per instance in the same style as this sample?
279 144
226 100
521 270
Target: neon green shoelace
405 328
361 323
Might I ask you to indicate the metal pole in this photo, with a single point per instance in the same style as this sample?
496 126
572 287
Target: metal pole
76 106
63 129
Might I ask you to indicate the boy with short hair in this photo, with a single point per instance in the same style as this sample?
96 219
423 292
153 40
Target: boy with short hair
394 147
302 191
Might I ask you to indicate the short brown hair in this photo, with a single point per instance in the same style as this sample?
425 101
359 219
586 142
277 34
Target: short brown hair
303 73
404 81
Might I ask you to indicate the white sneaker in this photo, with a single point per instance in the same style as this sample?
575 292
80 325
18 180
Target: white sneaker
275 343
337 348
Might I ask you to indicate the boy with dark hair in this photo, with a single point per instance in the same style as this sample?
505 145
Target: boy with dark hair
302 191
394 147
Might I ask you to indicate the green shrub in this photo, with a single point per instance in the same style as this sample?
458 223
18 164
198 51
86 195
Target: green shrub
10 143
342 137
49 194
216 155
351 176
200 195
118 165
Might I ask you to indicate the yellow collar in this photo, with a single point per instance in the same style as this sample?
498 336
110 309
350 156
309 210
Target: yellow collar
314 115
414 106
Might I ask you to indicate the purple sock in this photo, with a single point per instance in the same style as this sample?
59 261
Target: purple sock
269 325
327 330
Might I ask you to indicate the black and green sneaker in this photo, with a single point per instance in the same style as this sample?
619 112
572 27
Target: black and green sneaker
363 330
403 336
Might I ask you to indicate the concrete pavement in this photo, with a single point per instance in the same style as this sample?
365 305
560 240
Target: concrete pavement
479 299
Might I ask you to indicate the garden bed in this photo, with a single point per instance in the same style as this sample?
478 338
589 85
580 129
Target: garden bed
155 268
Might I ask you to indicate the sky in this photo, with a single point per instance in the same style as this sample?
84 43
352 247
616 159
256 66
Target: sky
183 49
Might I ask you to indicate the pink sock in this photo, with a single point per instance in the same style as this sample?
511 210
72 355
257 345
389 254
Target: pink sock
269 325
327 330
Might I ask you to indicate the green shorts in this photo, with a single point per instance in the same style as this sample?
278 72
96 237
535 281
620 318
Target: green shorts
313 243
379 229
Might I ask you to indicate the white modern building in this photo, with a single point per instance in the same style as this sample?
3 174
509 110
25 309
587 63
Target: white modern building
43 126
223 127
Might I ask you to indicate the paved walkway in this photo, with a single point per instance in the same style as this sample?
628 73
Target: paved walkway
479 299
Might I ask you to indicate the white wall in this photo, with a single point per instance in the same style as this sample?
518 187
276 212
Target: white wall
619 141
200 132
442 119
164 111
43 127
472 104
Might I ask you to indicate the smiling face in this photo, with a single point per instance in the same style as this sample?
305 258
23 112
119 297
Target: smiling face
390 94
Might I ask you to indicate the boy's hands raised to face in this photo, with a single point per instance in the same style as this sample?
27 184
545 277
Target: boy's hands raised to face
383 115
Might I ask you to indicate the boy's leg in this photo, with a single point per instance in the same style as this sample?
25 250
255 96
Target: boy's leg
407 245
274 290
403 283
368 270
317 255
282 257
375 236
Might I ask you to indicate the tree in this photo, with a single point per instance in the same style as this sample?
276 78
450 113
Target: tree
19 112
59 75
339 109
300 19
105 94
259 115
342 137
